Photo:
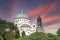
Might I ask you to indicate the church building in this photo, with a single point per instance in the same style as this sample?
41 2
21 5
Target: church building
24 24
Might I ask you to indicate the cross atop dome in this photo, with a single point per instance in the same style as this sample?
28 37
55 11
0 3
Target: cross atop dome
21 10
22 15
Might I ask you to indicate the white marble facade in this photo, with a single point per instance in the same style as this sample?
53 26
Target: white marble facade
24 23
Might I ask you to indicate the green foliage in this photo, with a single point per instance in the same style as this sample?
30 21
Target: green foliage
58 32
40 36
34 36
50 35
10 34
14 33
1 36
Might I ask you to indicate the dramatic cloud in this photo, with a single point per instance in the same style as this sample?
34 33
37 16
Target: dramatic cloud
13 10
51 19
48 10
36 11
42 10
51 31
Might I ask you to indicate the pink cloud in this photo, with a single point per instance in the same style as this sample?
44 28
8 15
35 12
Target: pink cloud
13 10
49 8
36 11
51 19
50 31
42 10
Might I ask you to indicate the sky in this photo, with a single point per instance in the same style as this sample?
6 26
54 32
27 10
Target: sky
49 10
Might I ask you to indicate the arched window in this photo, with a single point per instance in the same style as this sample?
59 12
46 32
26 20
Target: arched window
20 19
28 32
33 25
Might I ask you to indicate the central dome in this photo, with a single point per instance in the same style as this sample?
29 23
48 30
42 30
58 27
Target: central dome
22 15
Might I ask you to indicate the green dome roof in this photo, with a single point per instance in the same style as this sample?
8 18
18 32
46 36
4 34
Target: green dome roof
22 15
25 25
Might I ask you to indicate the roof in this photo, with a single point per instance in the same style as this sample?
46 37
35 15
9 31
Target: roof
25 25
22 15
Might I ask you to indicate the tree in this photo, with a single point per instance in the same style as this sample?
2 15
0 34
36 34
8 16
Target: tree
11 34
50 35
1 36
58 32
34 36
23 34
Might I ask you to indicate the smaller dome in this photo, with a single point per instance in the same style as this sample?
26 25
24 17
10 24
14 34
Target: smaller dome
22 15
25 25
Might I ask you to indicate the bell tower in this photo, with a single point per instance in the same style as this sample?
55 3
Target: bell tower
39 24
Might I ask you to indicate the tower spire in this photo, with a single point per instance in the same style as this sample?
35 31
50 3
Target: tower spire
21 10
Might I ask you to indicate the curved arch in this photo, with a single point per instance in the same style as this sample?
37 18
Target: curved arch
25 25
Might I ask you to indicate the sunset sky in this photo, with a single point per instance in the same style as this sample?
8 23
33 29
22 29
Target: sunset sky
49 10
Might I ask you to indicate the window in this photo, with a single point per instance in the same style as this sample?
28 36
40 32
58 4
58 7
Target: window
16 24
20 29
23 19
33 25
20 19
33 30
28 32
